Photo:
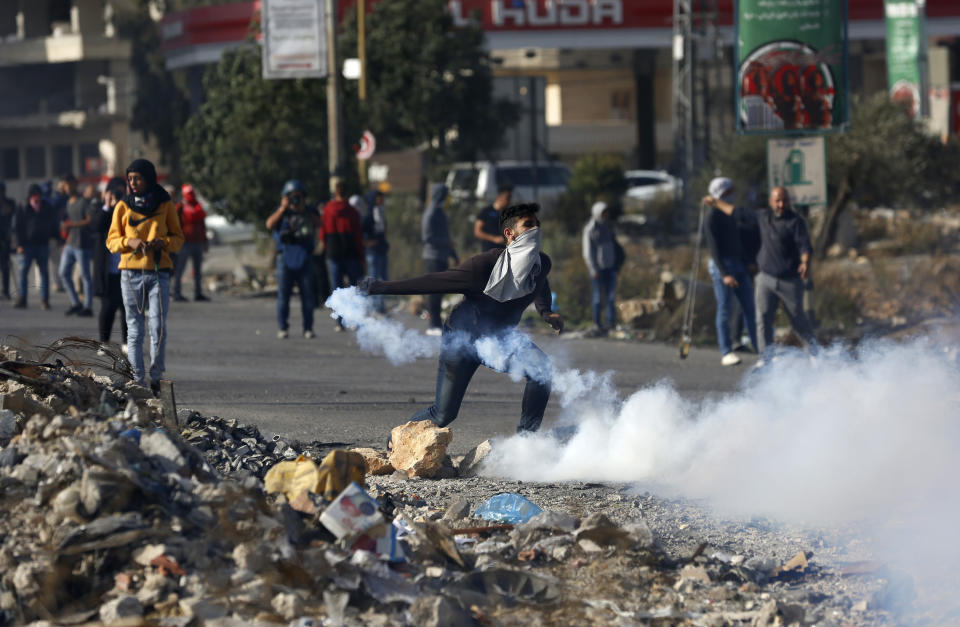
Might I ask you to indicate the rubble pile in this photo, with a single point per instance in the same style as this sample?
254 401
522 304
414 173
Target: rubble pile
114 510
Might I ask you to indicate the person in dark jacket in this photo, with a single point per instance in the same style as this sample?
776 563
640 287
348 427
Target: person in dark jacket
730 277
36 223
294 228
497 285
106 265
375 242
7 209
437 250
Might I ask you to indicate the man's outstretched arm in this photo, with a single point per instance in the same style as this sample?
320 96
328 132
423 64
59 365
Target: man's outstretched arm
457 280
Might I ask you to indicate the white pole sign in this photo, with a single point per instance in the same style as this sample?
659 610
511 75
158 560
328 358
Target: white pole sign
294 39
800 165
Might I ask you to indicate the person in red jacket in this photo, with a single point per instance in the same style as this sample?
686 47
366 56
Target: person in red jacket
193 222
342 237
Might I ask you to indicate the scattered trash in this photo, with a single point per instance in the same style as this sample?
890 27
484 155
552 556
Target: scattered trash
351 513
507 507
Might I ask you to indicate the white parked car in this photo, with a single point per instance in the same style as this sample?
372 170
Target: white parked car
644 186
479 181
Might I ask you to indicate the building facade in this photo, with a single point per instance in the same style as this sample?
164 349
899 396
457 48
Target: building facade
65 93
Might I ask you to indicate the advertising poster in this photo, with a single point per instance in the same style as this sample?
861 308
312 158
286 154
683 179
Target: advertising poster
800 165
791 66
904 41
294 39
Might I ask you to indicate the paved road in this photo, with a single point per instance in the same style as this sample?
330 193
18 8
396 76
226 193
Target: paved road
225 360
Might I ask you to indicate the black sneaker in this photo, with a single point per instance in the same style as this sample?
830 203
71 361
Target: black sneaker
85 313
200 298
73 310
179 298
20 304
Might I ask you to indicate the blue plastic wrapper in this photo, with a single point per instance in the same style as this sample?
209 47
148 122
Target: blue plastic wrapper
133 434
508 507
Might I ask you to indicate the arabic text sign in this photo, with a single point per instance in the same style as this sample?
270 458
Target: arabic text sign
294 39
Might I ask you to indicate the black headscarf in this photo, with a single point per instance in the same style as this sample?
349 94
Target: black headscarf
153 197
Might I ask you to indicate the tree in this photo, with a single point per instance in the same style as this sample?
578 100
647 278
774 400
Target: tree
429 83
160 107
251 135
595 177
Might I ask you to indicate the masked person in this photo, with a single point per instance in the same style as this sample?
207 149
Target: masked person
497 285
193 221
294 228
145 230
106 265
35 224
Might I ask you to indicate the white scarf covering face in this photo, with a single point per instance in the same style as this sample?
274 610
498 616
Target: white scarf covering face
515 273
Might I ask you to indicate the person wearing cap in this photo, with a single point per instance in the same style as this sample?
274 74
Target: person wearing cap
600 255
486 228
193 222
342 236
294 226
729 274
145 230
784 263
35 224
375 242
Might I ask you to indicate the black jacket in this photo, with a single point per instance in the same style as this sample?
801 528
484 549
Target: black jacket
477 314
35 228
99 226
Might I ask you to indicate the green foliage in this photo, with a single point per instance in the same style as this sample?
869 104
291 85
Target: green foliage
427 82
160 107
595 177
251 135
886 157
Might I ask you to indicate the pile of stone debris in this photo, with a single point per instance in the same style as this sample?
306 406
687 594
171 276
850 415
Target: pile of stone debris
116 508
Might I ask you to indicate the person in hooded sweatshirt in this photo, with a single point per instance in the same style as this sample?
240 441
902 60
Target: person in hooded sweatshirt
106 265
145 230
497 285
599 253
437 250
193 221
35 224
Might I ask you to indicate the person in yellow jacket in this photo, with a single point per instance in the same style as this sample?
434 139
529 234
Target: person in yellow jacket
145 229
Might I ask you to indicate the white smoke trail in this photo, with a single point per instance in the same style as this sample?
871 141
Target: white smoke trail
510 352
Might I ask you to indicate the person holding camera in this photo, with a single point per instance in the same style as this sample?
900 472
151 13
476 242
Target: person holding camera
294 228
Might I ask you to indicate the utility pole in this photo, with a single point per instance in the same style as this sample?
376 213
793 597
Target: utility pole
362 85
334 139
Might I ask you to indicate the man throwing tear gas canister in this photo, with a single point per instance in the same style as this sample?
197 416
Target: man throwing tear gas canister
497 285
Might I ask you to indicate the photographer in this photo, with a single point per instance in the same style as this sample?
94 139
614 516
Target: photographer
294 228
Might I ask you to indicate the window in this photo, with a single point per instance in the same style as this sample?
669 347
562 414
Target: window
620 105
465 180
62 160
11 164
90 160
36 162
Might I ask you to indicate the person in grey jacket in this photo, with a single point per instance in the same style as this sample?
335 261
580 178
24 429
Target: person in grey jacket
437 249
599 253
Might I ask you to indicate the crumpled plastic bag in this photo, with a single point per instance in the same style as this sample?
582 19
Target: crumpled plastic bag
508 507
337 470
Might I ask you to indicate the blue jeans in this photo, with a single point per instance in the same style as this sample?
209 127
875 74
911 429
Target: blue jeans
605 282
303 278
725 295
458 363
377 269
146 295
72 255
39 253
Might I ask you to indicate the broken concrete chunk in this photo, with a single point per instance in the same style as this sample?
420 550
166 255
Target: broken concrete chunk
419 448
161 449
287 605
458 509
471 462
439 611
377 461
121 608
8 425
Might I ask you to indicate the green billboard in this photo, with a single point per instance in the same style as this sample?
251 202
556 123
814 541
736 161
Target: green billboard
904 49
791 66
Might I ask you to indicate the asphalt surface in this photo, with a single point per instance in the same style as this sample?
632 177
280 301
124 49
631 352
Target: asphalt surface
225 359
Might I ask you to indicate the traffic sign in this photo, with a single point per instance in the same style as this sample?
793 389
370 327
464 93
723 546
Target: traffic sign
368 145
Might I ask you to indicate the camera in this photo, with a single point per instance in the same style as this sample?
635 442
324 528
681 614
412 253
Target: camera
298 228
